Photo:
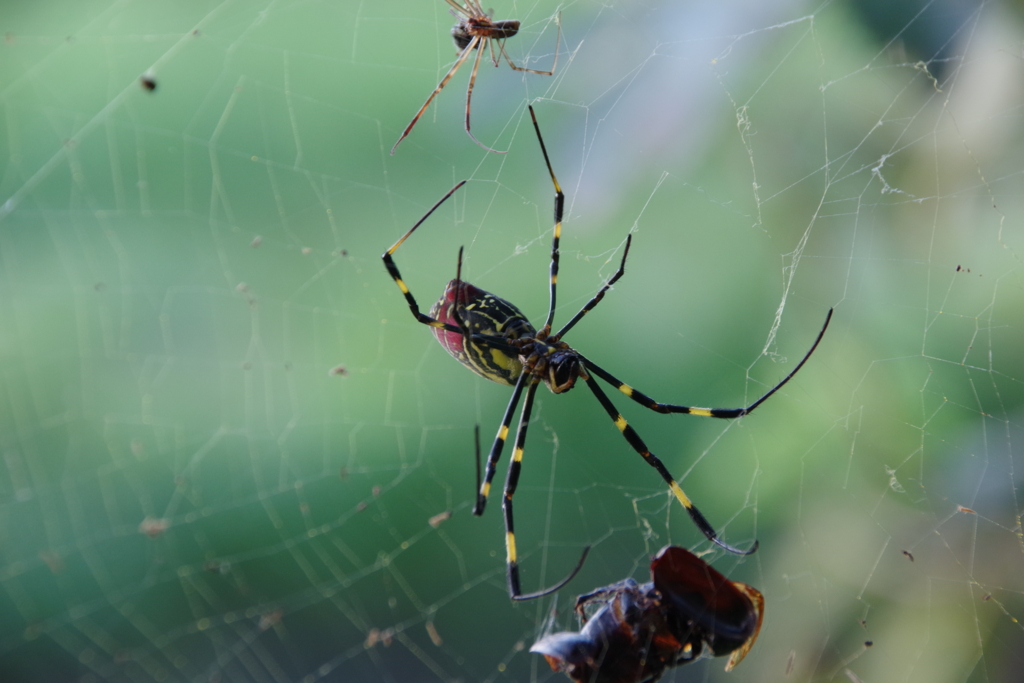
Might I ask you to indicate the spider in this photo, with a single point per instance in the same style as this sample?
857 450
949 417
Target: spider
640 630
493 338
476 31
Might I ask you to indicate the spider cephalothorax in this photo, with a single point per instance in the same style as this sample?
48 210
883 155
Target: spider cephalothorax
493 338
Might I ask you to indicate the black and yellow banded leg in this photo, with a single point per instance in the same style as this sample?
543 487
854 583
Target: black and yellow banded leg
600 293
511 482
640 447
498 445
559 210
725 413
397 277
476 438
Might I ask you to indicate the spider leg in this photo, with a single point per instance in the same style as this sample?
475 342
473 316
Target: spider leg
604 594
440 86
511 482
498 445
727 413
494 57
476 438
554 67
397 277
488 340
460 9
466 336
555 254
600 294
469 94
559 210
483 489
640 447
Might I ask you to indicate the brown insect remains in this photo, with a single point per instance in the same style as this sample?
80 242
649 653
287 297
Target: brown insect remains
476 31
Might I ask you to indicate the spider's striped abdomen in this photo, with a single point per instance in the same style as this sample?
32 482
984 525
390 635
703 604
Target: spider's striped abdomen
481 313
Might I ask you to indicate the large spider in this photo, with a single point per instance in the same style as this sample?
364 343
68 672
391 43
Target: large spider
493 338
476 31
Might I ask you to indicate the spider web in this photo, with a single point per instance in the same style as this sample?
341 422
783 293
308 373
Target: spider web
231 455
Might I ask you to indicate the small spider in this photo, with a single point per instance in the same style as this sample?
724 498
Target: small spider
493 338
637 631
476 31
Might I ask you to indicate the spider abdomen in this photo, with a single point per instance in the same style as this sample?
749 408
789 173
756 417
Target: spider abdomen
463 32
481 313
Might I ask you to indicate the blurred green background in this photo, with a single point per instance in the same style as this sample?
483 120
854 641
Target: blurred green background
225 438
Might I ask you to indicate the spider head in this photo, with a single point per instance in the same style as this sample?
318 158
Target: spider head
563 369
480 313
